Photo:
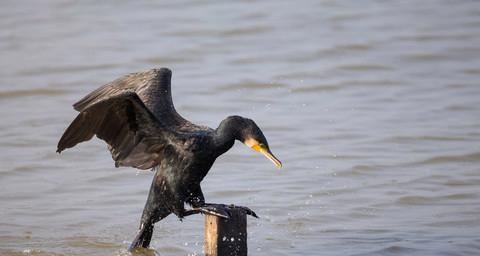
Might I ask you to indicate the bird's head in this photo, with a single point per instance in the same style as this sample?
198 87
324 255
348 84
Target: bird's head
248 132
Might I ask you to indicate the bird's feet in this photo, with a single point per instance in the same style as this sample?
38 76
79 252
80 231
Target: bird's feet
219 210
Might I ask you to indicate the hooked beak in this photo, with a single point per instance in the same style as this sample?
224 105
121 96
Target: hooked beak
262 148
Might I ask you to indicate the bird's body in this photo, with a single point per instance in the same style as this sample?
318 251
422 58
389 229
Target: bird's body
135 115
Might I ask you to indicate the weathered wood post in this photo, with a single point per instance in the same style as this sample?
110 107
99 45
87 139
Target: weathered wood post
226 237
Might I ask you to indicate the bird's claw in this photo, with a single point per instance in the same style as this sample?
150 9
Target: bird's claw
212 210
227 208
219 210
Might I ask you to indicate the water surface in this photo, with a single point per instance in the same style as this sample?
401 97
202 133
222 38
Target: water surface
373 107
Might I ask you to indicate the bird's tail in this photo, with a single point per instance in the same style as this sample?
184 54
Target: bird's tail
143 238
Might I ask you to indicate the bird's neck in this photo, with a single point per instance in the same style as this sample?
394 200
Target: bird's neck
224 137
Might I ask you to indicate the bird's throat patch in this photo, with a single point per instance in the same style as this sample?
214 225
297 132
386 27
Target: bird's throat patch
253 143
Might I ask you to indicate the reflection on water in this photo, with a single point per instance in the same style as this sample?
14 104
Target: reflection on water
372 107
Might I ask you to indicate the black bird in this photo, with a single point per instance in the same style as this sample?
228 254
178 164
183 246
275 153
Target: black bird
135 116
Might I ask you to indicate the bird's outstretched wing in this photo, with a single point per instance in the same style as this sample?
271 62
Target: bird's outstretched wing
134 135
154 89
159 79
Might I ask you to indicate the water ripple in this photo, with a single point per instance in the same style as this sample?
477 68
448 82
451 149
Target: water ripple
9 94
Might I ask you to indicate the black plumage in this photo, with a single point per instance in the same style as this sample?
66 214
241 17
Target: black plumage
135 116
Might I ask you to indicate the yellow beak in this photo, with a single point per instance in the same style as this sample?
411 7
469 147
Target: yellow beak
267 153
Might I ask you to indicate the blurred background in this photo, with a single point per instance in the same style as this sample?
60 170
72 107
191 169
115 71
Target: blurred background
373 107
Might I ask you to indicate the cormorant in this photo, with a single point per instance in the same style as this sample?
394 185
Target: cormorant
135 116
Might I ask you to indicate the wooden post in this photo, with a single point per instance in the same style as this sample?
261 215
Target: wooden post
226 237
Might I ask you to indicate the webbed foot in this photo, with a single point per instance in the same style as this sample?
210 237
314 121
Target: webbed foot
219 210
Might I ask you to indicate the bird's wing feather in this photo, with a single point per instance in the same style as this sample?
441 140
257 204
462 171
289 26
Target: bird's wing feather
116 87
135 137
153 88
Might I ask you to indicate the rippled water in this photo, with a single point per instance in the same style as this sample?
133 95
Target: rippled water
373 106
